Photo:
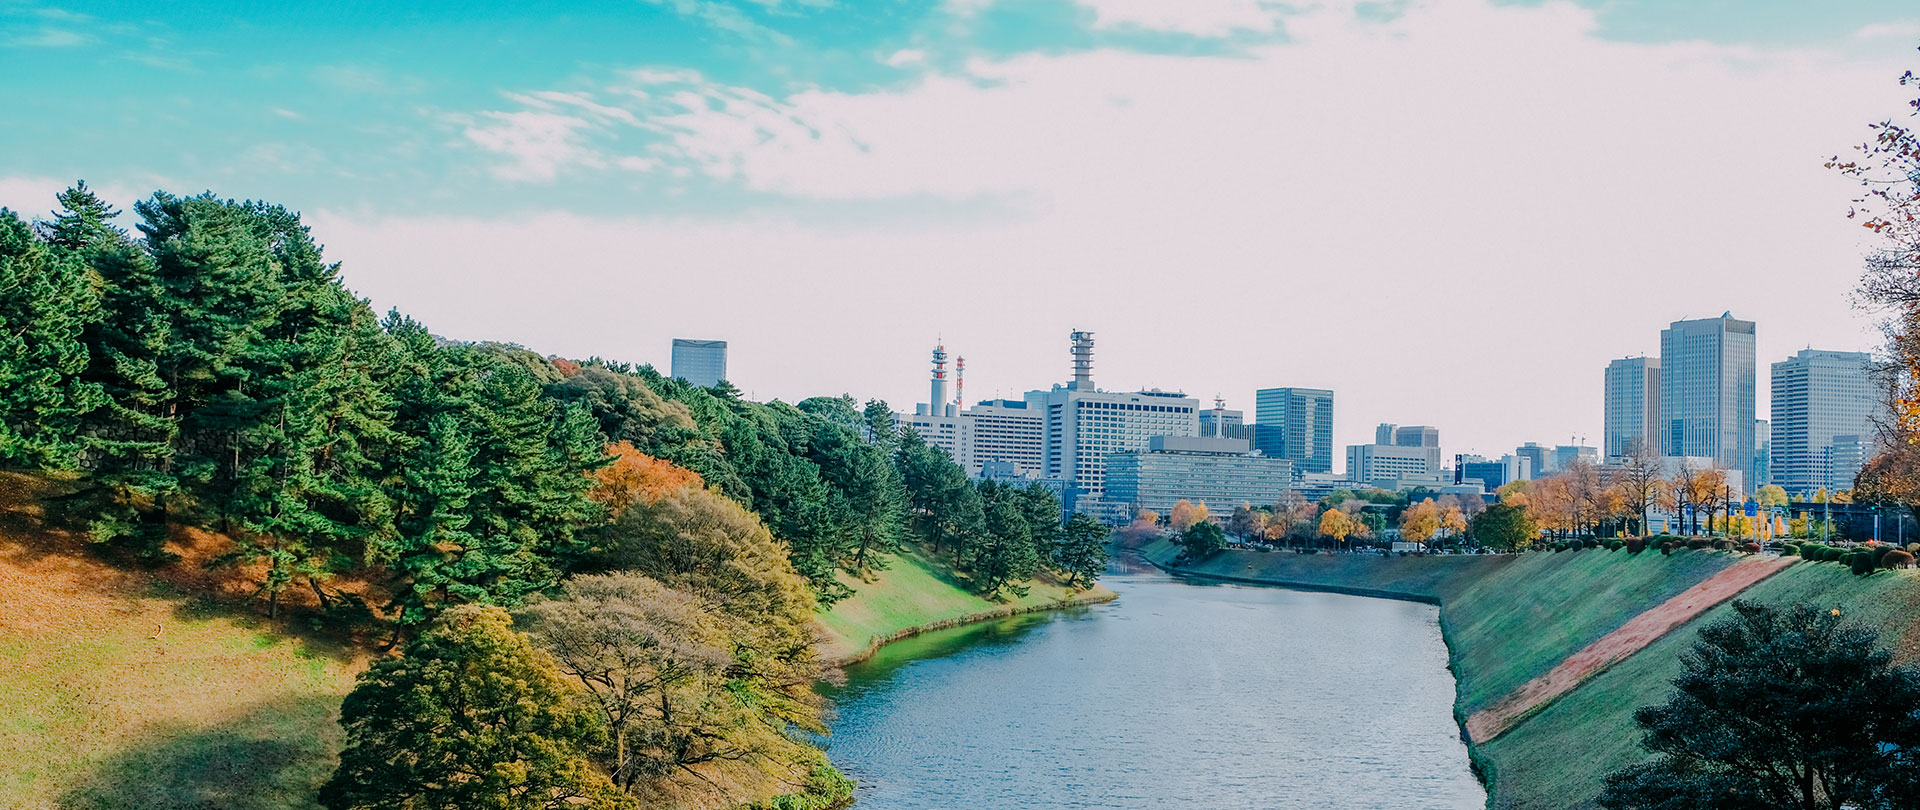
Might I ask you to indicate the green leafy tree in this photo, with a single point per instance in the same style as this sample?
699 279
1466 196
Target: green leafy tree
1791 707
655 661
866 495
1203 540
46 303
701 542
945 511
1082 551
471 717
1503 525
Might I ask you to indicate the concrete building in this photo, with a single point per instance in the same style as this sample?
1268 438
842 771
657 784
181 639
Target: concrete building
1491 474
1632 406
1538 460
1762 452
1217 471
1224 423
701 362
1368 463
1407 435
1824 407
1707 390
1004 432
1084 425
1564 455
1295 424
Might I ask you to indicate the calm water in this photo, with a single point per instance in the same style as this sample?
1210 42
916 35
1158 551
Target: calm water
1176 696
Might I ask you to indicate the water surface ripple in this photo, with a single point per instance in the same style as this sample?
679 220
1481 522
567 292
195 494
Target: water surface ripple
1178 695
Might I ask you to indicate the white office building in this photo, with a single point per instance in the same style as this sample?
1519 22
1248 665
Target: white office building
1824 407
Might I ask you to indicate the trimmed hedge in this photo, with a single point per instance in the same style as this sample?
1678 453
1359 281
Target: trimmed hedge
1697 543
1861 562
1636 545
1896 559
1667 548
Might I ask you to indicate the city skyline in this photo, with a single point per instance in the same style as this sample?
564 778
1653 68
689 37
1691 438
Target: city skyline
1380 237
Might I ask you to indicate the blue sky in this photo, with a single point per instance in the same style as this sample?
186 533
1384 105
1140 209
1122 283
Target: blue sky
352 104
1231 193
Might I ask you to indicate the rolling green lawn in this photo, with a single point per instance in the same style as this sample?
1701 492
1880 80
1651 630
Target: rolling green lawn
115 693
1558 758
915 591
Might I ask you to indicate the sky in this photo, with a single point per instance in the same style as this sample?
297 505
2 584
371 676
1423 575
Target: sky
1451 212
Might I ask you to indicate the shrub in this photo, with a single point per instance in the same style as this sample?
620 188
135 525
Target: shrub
1896 559
1913 548
1636 545
1880 552
1789 550
1751 548
1667 548
1559 547
1616 544
1697 543
1862 563
1835 554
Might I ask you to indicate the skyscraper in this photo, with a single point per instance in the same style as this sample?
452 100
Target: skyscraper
1084 425
1824 404
1632 406
1295 424
1707 380
701 362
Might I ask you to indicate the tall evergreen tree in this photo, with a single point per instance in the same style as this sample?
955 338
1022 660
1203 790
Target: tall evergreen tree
46 302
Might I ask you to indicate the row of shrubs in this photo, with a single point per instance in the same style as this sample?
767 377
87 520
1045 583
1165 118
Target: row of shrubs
1862 560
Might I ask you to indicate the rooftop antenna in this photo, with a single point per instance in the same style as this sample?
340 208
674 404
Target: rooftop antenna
937 398
959 382
1219 414
1082 360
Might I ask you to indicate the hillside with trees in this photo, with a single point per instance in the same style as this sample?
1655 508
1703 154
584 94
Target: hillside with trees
644 558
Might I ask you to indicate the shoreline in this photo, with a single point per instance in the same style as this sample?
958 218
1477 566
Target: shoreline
1091 596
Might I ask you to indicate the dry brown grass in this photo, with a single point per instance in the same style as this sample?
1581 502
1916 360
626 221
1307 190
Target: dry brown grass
120 689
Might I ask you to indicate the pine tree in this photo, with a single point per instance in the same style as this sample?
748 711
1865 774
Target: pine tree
46 301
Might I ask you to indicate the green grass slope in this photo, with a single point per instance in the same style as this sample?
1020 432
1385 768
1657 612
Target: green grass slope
1558 758
117 691
916 591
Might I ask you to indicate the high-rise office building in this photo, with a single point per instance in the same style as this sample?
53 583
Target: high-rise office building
701 362
1367 463
1295 424
1707 380
1824 405
1566 454
1216 471
1224 423
1084 425
1538 461
1762 452
1632 406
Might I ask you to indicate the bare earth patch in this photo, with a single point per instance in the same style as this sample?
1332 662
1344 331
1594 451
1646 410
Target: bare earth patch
1616 646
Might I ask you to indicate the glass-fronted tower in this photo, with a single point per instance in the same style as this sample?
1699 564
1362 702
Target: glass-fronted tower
1632 406
1824 405
701 362
1295 424
1707 382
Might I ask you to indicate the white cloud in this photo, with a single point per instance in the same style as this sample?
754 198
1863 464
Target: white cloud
50 37
1207 18
1452 218
536 144
905 57
1906 29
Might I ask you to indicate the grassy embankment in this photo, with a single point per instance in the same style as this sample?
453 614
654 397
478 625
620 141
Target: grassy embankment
916 594
1509 619
123 688
119 690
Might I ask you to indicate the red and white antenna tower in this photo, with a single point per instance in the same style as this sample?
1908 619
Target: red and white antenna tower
959 382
